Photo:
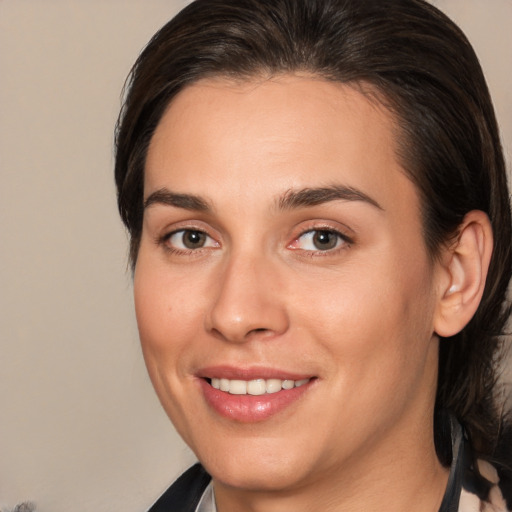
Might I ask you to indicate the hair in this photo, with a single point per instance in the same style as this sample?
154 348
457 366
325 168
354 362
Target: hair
422 68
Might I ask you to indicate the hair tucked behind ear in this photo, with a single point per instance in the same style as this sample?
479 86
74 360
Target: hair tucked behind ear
421 67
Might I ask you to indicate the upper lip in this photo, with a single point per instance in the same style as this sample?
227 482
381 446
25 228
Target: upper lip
249 373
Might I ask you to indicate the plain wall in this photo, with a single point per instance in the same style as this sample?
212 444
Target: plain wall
80 427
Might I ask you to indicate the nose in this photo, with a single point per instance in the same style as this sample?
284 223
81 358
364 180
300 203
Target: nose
248 303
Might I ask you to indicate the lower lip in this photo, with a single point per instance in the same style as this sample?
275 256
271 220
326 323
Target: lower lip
251 408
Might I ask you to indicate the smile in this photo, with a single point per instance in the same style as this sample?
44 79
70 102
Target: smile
252 395
256 386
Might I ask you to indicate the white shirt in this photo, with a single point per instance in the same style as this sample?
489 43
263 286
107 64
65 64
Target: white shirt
207 503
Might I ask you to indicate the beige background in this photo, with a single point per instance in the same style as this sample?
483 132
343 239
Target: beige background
80 429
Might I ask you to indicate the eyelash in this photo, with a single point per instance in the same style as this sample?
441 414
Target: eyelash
343 242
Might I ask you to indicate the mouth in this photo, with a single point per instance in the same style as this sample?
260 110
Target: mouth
254 395
255 387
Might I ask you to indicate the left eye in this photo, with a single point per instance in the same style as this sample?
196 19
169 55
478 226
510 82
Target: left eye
319 240
190 239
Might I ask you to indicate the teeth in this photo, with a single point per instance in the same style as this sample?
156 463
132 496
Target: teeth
288 384
238 387
274 385
256 386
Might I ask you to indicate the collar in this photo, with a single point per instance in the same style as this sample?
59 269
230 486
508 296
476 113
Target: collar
460 458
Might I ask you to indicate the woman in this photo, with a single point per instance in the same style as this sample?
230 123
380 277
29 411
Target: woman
313 190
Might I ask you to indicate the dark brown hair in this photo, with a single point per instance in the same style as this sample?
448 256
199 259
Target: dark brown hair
422 68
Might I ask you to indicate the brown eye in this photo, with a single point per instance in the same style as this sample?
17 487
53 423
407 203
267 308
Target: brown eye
320 240
193 239
325 240
189 240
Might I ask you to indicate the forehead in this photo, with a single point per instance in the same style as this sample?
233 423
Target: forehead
280 133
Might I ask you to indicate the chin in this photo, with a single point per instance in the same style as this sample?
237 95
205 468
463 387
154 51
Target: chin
263 476
257 466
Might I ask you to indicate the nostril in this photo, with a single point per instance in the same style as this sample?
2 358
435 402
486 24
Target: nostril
260 332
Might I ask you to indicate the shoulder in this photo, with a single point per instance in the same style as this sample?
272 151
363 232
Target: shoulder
185 493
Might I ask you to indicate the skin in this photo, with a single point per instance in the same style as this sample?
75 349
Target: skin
359 317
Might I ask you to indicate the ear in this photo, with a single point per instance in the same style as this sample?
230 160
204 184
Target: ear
462 274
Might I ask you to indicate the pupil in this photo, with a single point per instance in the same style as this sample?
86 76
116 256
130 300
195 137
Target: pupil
193 239
324 240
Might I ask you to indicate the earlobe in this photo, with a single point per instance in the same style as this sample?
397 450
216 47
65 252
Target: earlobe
464 265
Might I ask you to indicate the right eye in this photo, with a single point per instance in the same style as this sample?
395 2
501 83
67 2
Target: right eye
189 240
320 240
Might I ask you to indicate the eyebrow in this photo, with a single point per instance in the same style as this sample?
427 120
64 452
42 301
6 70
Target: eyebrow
307 197
290 200
186 201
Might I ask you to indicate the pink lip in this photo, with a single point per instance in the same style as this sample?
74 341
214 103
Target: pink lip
249 373
249 408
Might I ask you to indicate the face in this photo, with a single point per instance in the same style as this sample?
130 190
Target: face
284 296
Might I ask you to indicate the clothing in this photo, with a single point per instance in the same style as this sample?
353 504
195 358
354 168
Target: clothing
207 503
468 490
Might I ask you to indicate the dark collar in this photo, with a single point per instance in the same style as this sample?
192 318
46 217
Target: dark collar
185 493
460 460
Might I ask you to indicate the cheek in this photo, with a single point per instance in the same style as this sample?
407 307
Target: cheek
151 305
379 320
165 331
161 319
167 304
